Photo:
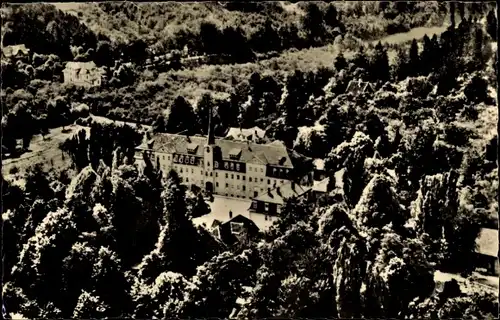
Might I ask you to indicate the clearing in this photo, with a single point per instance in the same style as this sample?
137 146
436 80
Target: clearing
42 150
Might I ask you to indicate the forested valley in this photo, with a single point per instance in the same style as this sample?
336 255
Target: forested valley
412 164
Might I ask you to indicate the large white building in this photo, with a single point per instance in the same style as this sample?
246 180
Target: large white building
83 74
225 167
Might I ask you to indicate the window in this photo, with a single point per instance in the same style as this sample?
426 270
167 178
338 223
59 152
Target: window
281 181
261 170
261 180
217 184
238 187
216 175
237 177
182 180
249 168
232 176
168 157
268 181
227 175
208 163
192 171
266 207
206 174
244 188
250 179
181 170
236 227
163 157
278 209
217 232
227 185
243 178
211 174
232 195
201 172
255 193
187 179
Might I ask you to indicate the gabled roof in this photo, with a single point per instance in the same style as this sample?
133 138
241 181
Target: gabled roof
14 50
487 242
321 186
279 194
255 153
228 237
83 67
358 86
251 134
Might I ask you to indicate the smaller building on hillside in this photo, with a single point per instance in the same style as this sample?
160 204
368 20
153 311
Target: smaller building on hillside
238 229
271 202
15 51
356 87
487 251
254 134
83 74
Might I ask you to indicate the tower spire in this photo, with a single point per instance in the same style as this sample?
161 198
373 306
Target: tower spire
211 137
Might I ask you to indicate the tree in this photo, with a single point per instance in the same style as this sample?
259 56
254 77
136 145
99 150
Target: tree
340 61
313 24
360 60
414 59
476 90
331 16
205 104
159 124
181 117
491 24
209 38
380 64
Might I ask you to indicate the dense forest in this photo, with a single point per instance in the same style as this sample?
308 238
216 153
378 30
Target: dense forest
412 165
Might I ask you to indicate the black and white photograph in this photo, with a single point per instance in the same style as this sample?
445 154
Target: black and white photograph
249 160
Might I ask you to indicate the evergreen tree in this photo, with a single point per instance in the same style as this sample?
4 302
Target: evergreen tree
181 117
491 25
380 64
414 59
313 24
159 124
340 62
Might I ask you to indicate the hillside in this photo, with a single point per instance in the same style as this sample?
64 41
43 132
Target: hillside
397 101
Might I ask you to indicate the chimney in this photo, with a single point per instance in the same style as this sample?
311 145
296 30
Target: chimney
293 185
211 138
188 138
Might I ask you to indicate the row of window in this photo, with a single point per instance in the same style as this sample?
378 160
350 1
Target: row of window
256 169
243 188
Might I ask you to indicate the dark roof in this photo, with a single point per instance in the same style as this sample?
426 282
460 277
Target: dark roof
263 154
226 234
279 194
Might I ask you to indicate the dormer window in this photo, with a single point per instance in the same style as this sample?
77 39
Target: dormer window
236 227
235 153
282 161
217 232
192 148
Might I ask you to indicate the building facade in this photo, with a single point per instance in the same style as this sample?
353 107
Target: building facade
83 74
220 166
